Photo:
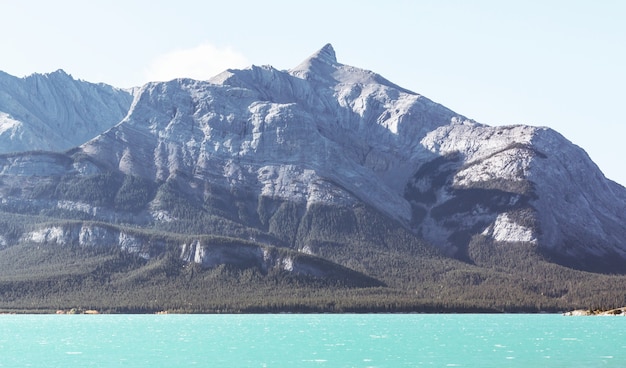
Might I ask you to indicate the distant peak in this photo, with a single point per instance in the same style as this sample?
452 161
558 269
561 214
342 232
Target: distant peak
318 66
326 54
59 73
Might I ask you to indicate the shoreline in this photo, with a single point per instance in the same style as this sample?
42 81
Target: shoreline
589 312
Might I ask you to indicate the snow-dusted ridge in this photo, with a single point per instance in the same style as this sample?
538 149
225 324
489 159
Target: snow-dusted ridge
55 112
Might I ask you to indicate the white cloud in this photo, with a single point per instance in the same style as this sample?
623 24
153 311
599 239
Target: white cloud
201 62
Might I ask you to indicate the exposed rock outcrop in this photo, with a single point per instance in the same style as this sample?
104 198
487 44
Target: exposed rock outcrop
55 112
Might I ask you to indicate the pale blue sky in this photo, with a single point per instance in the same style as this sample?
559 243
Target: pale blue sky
560 64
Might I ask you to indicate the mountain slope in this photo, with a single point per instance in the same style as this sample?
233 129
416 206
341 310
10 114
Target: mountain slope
328 133
256 122
365 183
55 112
517 184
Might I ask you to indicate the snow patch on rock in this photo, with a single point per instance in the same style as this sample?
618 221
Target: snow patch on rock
162 216
506 230
97 236
90 235
130 243
287 264
52 234
7 123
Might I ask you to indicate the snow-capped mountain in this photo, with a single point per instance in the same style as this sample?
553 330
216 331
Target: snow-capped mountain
247 142
55 112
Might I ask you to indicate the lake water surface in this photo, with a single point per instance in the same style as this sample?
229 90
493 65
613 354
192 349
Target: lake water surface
312 340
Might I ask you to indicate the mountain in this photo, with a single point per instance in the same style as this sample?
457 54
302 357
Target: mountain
325 173
55 112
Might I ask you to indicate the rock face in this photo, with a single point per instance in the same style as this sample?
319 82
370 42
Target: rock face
55 112
92 235
259 144
518 184
209 253
295 135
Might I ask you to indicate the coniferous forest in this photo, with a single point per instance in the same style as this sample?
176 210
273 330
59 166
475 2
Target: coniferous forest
362 261
322 188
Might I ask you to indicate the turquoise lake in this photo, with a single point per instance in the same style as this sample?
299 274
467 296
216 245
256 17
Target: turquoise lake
312 340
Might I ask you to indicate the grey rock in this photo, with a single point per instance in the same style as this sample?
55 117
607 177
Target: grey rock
55 112
328 133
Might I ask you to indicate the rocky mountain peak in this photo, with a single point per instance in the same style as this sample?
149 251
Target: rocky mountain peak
60 73
326 54
337 135
320 66
55 112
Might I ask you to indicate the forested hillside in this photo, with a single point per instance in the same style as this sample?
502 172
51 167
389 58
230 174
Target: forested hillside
323 188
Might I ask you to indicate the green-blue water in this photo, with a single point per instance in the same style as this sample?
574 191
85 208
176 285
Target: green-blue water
402 340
